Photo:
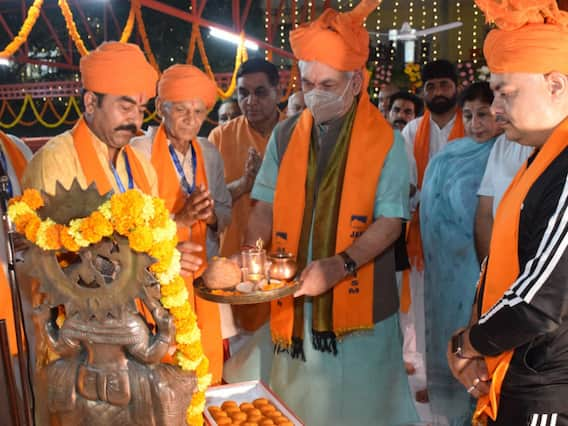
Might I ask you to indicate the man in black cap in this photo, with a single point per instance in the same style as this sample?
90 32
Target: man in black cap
424 137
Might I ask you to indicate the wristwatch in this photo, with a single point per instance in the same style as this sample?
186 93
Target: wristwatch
457 345
349 265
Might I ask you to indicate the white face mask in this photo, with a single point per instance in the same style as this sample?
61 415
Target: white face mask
326 106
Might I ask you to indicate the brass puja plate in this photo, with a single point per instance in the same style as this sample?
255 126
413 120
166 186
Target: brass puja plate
234 297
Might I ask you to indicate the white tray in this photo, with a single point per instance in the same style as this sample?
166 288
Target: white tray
245 392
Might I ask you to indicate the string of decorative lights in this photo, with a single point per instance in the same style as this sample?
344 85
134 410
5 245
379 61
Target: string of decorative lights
475 33
459 44
394 25
423 44
282 21
378 47
268 29
435 24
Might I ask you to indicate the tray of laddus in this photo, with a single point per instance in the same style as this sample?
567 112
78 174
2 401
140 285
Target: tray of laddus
247 404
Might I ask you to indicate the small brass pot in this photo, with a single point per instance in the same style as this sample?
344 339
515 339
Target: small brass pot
283 265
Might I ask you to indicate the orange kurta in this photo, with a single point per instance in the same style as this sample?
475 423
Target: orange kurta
233 141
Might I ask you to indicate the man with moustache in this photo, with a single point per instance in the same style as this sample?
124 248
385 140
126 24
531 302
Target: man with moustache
404 107
118 81
424 137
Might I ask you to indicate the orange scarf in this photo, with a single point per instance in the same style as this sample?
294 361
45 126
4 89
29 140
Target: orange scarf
92 167
208 317
413 236
503 267
19 162
370 142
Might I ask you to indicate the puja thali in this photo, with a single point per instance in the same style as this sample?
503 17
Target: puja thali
271 291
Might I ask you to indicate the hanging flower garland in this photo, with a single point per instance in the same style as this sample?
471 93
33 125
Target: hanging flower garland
72 28
145 221
31 18
143 35
74 33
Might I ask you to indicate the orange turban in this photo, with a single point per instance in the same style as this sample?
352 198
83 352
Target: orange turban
335 39
116 68
184 82
532 36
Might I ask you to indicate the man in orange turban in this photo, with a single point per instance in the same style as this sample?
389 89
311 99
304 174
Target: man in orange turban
118 81
332 190
192 182
514 353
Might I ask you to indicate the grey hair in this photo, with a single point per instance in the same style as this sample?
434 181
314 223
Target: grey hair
303 64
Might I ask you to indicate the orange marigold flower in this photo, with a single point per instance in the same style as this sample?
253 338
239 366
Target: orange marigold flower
140 239
67 240
52 237
23 221
31 229
198 399
32 198
101 224
89 230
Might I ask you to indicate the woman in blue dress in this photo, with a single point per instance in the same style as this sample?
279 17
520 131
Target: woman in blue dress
447 208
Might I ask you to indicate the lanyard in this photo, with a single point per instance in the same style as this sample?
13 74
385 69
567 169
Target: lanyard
128 172
5 167
188 189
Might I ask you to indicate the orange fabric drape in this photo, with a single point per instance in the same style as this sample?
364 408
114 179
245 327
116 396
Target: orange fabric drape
92 167
15 156
413 236
503 267
370 142
208 317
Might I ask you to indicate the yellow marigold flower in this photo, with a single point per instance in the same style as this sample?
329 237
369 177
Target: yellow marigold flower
192 336
175 300
31 229
168 232
140 239
162 252
203 367
186 363
47 236
147 208
197 404
174 287
194 420
105 210
192 350
161 214
75 232
183 311
32 198
67 240
165 272
204 382
18 209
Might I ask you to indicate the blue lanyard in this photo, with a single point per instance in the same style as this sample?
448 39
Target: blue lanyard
188 189
5 166
128 172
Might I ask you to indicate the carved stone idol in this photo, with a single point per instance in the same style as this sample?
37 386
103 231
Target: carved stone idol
112 333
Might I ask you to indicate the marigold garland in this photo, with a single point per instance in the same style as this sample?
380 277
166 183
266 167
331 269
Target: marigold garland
134 215
72 28
25 29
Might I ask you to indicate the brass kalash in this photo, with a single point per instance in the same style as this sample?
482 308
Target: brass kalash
107 369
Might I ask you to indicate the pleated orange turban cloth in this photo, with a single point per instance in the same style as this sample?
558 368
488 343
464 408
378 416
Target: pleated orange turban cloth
184 82
116 68
532 36
335 39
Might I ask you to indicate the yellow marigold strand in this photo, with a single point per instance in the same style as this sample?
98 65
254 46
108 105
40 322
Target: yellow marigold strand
72 28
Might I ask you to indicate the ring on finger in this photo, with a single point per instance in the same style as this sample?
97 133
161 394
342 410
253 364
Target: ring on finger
476 381
471 389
